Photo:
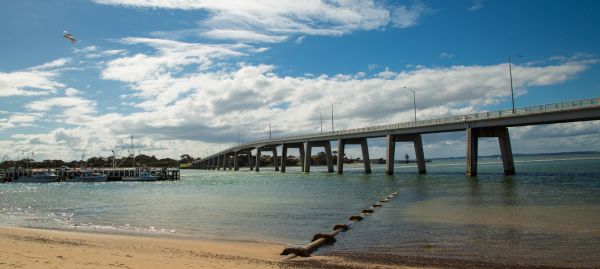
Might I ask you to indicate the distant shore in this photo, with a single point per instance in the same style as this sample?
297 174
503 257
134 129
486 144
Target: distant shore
36 248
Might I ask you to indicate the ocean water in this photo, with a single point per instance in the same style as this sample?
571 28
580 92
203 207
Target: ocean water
549 213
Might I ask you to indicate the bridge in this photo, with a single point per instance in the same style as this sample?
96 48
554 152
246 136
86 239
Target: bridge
484 124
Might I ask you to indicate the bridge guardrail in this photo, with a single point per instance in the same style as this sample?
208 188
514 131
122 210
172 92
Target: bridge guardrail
529 110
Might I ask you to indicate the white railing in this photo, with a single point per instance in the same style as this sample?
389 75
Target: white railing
530 110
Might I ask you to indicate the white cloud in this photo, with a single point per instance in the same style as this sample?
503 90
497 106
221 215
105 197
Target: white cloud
38 80
72 92
51 65
404 17
18 120
476 5
218 102
243 36
274 21
446 55
74 110
171 56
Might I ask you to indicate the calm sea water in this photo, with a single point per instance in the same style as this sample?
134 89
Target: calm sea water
549 213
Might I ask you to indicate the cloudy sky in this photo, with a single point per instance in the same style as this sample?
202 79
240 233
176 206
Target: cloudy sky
188 76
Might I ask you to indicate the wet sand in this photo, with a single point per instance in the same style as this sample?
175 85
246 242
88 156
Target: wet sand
36 248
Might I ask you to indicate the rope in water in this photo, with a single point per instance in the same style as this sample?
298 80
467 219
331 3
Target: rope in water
321 239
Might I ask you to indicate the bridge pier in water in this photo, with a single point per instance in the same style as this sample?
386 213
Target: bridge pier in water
473 135
250 163
236 163
307 156
284 150
391 151
365 153
275 157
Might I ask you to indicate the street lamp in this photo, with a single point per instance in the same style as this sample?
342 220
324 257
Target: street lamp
269 130
321 113
512 95
332 114
414 101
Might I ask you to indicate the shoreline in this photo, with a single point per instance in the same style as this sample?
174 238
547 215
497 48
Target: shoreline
39 248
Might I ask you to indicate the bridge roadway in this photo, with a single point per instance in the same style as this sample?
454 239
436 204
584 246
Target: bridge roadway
484 124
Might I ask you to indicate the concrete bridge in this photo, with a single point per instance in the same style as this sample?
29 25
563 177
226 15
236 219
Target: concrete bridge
484 124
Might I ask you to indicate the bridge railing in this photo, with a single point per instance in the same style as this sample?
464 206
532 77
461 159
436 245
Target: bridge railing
536 109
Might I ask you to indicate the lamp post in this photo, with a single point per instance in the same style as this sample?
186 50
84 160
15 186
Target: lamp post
414 101
269 130
321 113
332 129
512 95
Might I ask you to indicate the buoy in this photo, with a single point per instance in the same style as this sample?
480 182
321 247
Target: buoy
329 239
376 205
296 251
369 211
345 227
357 218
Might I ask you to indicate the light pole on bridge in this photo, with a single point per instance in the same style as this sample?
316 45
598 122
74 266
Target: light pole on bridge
512 95
321 113
336 103
414 101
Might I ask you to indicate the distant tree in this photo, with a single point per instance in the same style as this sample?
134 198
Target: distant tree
186 158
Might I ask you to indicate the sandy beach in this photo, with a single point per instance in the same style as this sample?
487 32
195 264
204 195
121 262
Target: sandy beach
36 248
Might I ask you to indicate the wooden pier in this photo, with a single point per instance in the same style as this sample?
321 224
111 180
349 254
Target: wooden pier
113 174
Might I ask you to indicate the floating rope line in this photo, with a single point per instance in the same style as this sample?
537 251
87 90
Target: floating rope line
321 239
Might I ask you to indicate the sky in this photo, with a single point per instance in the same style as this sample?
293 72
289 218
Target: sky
195 77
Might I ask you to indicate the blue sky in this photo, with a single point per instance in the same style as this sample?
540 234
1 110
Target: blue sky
186 75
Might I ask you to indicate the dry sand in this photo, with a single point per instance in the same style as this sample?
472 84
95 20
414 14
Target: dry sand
34 248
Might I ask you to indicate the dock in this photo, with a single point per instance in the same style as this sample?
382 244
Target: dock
113 174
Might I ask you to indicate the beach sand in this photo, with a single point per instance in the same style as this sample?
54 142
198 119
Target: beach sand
36 248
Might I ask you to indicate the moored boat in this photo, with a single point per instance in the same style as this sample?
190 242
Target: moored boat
39 177
88 176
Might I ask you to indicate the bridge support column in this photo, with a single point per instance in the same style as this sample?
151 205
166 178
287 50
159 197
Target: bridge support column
328 159
506 151
219 162
302 156
340 157
365 152
307 156
473 135
250 161
283 156
236 161
225 162
419 155
257 168
366 158
391 150
390 153
275 159
328 156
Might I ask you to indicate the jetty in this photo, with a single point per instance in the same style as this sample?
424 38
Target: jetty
113 174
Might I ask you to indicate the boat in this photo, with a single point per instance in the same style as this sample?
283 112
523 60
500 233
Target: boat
39 177
88 176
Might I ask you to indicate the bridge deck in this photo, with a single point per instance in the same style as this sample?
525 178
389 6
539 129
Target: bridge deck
569 111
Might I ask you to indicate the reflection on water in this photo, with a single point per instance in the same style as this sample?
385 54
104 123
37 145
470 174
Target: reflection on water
549 213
